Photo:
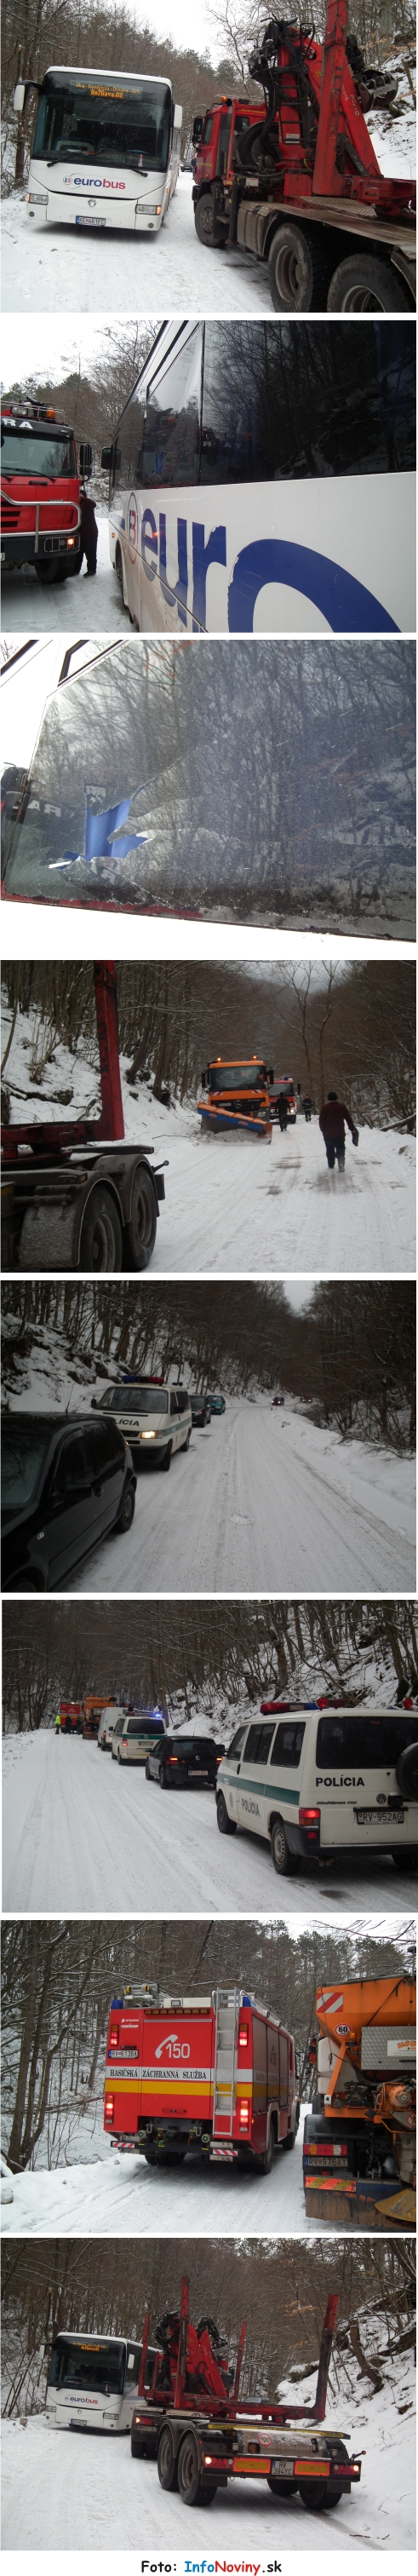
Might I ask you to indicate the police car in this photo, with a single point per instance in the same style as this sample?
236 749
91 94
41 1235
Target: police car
322 1784
159 1416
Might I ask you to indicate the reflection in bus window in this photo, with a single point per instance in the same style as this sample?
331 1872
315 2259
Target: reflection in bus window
286 405
172 420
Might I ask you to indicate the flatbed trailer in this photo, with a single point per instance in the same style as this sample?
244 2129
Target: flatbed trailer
199 2446
300 187
74 1195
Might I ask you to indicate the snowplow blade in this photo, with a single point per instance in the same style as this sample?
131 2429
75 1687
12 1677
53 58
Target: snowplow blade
215 1119
358 2204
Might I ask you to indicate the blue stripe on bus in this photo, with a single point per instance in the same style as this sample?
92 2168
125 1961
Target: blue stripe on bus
348 607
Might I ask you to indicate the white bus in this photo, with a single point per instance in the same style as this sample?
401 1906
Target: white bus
105 151
262 480
93 2382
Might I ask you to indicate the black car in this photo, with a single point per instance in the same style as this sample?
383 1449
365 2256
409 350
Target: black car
201 1410
65 1485
181 1759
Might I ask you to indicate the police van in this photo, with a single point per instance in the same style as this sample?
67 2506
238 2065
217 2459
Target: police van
324 1785
155 1418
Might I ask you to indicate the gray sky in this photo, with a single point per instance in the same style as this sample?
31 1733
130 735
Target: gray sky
187 21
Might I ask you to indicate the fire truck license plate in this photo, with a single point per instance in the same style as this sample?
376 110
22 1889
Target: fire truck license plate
95 223
375 1816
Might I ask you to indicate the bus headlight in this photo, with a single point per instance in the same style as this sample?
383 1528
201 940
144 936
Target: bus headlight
34 198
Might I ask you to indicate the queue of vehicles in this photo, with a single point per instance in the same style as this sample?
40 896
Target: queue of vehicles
77 1477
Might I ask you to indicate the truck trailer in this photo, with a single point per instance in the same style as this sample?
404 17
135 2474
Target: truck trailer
300 186
214 2072
193 2423
359 2143
74 1195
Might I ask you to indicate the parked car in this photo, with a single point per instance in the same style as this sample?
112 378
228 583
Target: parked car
108 1721
183 1759
201 1410
134 1736
276 1399
154 1417
65 1486
217 1403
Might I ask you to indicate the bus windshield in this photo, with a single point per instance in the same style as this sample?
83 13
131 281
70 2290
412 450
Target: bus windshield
26 451
88 2365
90 120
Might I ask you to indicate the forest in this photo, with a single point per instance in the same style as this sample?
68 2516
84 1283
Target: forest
58 1979
282 2287
350 1025
178 1655
349 1354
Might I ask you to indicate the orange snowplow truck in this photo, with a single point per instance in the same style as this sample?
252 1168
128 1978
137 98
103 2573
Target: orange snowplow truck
213 2072
299 185
238 1097
81 1717
359 2145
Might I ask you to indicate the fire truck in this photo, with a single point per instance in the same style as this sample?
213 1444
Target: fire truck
300 186
359 2144
215 2072
192 2421
238 1097
40 490
81 1717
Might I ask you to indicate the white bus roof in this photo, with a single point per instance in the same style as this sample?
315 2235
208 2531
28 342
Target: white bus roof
94 72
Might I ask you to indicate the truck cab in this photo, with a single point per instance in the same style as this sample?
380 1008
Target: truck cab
238 1096
40 490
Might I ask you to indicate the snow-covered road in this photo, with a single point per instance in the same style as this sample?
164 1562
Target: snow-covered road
124 2198
61 610
82 1836
267 1502
128 272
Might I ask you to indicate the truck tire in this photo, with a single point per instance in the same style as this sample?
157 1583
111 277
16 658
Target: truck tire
224 1821
282 2488
316 2494
142 1228
266 2161
290 2141
165 1461
166 2461
364 284
296 271
208 230
191 2485
101 1233
282 1858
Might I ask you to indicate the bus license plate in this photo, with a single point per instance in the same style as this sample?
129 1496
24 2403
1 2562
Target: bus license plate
95 223
378 1816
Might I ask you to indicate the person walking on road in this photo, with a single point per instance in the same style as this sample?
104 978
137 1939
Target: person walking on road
89 530
307 1106
282 1112
333 1119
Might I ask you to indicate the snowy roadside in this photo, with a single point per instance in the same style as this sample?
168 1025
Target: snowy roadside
167 272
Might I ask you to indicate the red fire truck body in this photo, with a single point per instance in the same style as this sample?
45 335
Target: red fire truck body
40 491
213 2071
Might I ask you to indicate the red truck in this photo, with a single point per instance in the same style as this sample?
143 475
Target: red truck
189 2417
40 490
215 2072
300 186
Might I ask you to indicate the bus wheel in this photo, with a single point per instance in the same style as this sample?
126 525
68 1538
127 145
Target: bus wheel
142 1228
119 569
295 272
364 284
224 1821
166 2462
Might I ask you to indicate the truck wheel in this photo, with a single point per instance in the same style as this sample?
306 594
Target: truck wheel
282 1858
150 2154
208 230
316 2494
290 2141
49 572
224 1821
266 2160
165 1461
191 2487
166 2461
281 2488
142 1228
101 1233
364 284
296 271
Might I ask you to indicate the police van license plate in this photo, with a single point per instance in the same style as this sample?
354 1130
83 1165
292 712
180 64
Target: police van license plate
95 223
380 1816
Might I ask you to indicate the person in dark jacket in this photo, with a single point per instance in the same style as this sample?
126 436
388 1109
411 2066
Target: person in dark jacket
307 1106
282 1112
89 530
333 1119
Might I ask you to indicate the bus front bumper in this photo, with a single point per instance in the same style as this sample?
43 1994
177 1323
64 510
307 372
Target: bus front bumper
97 213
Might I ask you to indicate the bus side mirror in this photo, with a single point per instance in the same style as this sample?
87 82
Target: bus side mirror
19 98
197 129
86 456
107 457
